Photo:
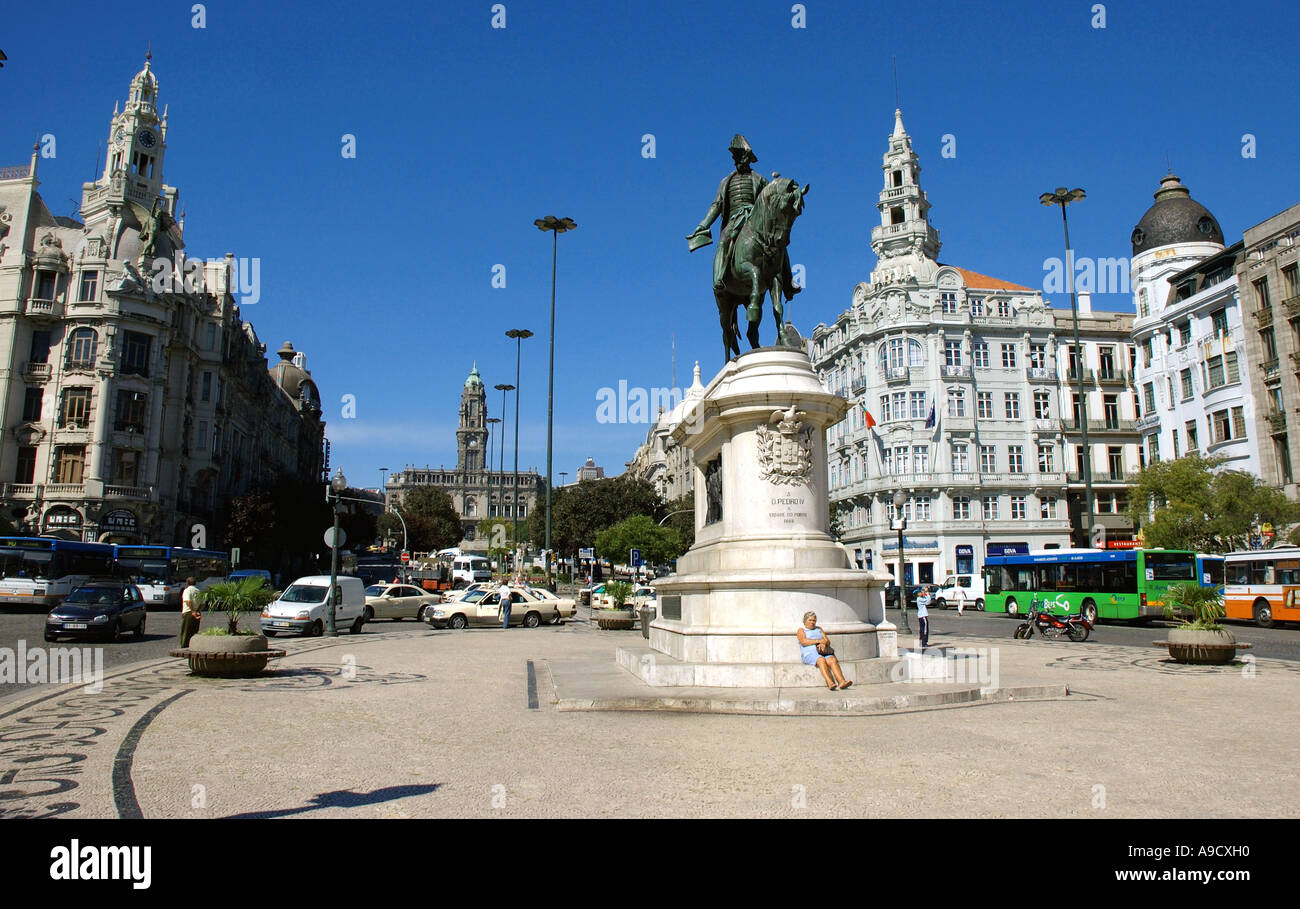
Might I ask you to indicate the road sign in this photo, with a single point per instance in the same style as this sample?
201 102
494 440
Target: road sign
636 558
406 557
329 537
586 553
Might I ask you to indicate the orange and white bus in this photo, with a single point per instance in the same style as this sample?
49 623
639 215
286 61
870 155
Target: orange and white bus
1261 585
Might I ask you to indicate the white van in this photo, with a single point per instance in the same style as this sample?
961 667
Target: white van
467 569
301 607
969 587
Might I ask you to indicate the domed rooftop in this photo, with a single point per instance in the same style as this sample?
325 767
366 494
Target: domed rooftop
296 381
474 380
1175 218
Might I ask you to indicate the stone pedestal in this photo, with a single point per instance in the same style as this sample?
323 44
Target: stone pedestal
763 555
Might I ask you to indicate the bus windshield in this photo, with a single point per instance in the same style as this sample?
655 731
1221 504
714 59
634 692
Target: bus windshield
26 564
146 571
1171 566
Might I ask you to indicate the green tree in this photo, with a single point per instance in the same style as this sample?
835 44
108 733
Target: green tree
584 509
1193 505
431 520
684 520
280 526
657 544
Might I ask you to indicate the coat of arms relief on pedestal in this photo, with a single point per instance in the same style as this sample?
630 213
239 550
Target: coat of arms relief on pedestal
785 448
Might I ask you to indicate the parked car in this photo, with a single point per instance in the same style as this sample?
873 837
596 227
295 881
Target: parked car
565 607
528 607
461 593
301 607
398 601
641 596
102 609
971 587
891 595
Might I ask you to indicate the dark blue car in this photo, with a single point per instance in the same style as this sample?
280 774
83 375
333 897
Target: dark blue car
98 609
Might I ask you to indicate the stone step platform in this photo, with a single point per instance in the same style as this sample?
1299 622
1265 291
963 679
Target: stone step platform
660 670
605 685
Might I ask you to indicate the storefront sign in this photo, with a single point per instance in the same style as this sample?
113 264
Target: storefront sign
1006 549
61 516
120 521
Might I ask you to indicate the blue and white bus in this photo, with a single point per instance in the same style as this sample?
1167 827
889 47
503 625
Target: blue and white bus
160 571
42 571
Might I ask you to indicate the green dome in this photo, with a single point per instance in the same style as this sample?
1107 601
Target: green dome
474 381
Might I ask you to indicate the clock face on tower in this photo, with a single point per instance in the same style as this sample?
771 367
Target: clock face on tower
120 136
148 139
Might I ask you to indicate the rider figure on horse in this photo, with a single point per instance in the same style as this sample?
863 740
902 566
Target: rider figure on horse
734 202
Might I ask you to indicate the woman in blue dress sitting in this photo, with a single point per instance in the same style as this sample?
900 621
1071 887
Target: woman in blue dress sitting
816 650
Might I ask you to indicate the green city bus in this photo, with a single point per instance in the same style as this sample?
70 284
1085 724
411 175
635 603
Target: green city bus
1125 584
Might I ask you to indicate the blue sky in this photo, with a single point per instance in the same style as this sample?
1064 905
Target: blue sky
380 267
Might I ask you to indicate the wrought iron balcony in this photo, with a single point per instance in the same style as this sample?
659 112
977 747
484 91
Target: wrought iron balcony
897 374
955 372
1264 316
1292 305
1277 421
1040 374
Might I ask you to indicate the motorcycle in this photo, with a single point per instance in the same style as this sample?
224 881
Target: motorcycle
1074 626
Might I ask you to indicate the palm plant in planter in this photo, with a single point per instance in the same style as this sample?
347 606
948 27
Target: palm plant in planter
228 651
617 618
1199 638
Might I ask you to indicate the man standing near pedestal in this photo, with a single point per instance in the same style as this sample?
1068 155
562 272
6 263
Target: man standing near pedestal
191 613
503 603
922 613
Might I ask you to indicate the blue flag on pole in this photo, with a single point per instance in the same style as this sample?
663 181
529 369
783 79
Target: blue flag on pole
929 421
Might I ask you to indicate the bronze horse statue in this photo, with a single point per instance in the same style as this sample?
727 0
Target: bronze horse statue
756 265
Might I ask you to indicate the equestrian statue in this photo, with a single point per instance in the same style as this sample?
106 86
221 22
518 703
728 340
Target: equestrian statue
751 258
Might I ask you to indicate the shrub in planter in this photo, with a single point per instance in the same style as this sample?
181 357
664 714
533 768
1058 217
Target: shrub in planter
227 651
617 618
1199 638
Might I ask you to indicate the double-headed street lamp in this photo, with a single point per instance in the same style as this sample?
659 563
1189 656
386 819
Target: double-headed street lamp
518 334
556 226
1064 197
900 499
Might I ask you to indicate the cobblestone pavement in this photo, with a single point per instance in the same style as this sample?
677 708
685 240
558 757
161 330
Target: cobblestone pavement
463 724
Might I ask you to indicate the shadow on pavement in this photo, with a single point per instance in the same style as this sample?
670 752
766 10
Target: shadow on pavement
346 798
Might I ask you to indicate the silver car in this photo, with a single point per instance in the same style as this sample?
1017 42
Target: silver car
526 608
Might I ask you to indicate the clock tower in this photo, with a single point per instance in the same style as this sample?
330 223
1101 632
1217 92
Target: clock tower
137 143
471 436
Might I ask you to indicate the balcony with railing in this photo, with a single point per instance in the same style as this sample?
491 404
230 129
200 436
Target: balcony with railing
39 308
1040 374
19 491
65 490
1110 376
1271 369
1264 316
1292 305
897 374
1102 426
36 372
1148 422
1047 424
1277 421
115 491
1099 476
1295 359
955 372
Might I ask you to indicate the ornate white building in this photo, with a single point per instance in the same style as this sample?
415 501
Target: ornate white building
1192 370
962 376
134 409
661 461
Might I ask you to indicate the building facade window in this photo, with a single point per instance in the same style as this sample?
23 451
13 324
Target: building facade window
960 457
1017 508
1015 458
1012 401
961 508
990 507
32 404
1042 405
130 411
1008 356
948 299
135 354
1046 463
952 353
89 286
76 407
988 459
984 405
956 402
1047 507
81 348
980 354
25 471
70 464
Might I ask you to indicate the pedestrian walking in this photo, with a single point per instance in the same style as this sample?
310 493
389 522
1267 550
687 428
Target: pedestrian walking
923 614
191 612
504 604
961 598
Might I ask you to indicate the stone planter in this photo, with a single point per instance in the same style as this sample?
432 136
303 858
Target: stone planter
227 656
1200 646
615 619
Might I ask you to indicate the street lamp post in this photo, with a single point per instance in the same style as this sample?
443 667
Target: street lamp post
492 421
900 499
1064 197
501 462
338 483
518 334
556 226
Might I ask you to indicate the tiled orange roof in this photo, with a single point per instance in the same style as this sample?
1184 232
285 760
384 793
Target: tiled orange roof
976 281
